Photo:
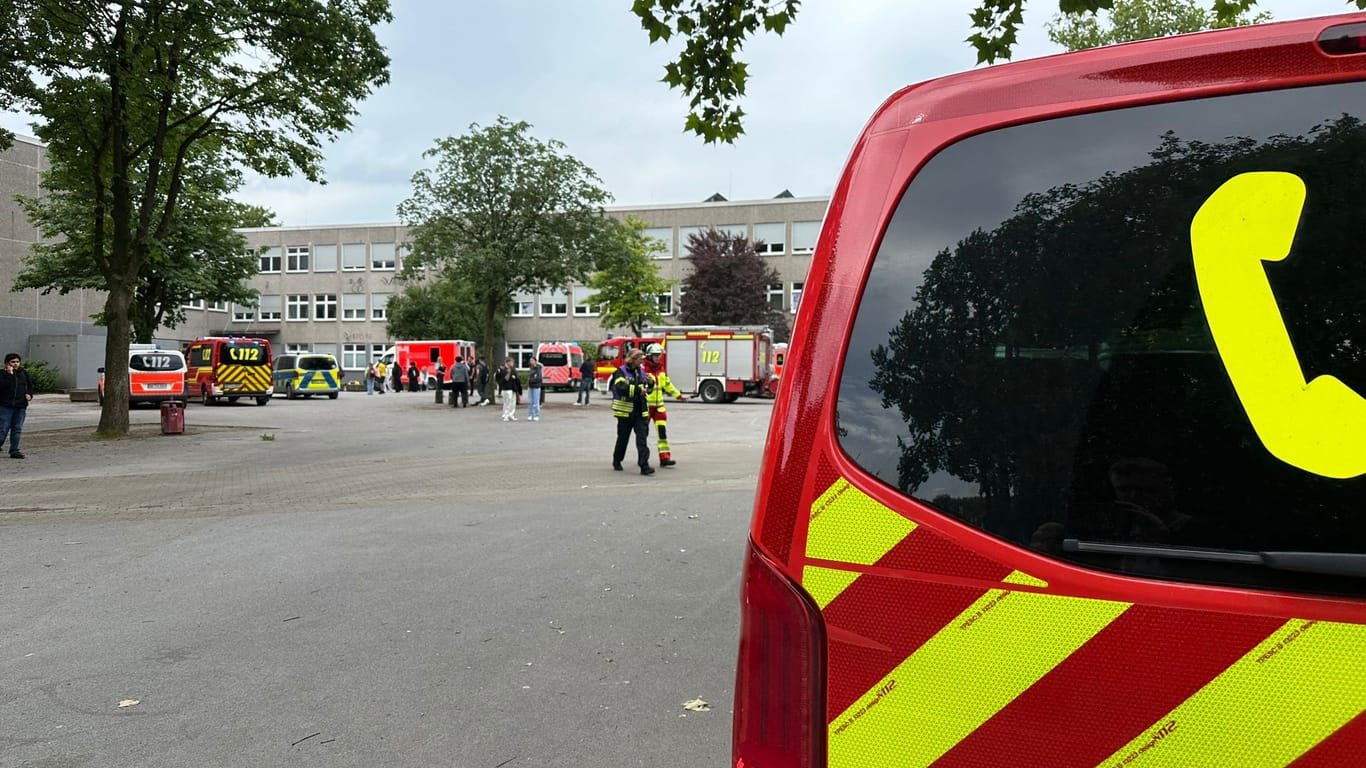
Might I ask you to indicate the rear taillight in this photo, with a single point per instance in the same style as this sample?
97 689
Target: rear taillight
779 679
1343 40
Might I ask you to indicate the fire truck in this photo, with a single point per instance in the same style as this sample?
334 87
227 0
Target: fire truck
426 355
716 363
612 355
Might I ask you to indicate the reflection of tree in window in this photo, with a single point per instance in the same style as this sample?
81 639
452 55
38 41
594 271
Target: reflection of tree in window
1036 355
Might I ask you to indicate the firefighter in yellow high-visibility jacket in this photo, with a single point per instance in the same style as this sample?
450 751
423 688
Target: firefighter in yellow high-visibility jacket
654 368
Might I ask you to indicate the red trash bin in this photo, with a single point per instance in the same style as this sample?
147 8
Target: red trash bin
172 418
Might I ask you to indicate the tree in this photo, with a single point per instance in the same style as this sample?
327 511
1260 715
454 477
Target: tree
1130 20
627 281
709 73
133 94
729 284
444 308
201 257
509 212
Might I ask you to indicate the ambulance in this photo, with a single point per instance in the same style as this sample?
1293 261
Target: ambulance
1071 469
155 375
560 361
427 355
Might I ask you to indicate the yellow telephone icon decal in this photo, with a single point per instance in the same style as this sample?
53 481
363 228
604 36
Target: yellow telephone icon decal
1319 426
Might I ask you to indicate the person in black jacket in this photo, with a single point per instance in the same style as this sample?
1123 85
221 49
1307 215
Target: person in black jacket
16 390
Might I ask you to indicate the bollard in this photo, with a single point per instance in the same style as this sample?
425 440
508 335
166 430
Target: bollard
438 391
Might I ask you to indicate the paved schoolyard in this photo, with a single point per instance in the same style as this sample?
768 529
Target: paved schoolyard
359 450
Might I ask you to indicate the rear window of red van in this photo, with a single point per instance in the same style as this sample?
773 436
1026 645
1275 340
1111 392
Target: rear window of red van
1033 351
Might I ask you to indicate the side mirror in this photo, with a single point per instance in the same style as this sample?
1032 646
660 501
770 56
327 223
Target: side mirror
100 369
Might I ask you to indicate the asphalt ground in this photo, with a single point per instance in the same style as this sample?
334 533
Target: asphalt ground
370 581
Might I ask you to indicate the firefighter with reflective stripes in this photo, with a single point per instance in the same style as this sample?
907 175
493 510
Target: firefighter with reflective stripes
630 387
654 368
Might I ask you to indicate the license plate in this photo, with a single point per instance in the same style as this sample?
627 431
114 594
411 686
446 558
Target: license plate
232 385
156 386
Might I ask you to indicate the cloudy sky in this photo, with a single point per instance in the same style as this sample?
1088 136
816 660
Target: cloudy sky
585 74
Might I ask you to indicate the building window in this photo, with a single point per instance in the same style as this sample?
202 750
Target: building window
775 296
269 307
770 238
804 236
379 306
584 306
665 236
325 349
666 303
295 349
218 306
521 352
325 306
353 357
554 304
382 257
296 258
353 306
325 258
796 296
353 257
377 351
523 305
270 260
243 314
193 304
296 306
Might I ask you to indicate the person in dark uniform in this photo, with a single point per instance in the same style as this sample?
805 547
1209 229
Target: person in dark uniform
630 392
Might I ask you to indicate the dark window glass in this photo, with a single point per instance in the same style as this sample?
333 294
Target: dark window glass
554 359
317 363
1032 352
155 361
244 353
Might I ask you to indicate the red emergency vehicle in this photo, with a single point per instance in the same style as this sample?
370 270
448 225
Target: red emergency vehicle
1070 470
426 355
719 363
612 354
155 375
560 361
229 367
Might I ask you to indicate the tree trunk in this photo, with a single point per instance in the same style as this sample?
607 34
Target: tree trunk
114 412
486 349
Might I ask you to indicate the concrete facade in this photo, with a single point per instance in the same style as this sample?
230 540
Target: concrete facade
29 313
324 289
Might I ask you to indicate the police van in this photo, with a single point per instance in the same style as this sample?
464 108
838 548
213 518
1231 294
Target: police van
307 374
1068 464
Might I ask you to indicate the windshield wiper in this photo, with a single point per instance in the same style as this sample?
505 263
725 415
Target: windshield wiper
1330 563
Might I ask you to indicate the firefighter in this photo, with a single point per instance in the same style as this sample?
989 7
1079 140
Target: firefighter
654 368
630 404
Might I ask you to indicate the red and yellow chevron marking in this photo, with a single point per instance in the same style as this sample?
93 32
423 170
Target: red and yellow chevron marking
931 665
253 378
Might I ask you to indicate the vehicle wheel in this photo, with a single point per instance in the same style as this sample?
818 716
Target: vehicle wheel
232 399
204 396
332 395
712 391
289 392
732 396
262 400
99 396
